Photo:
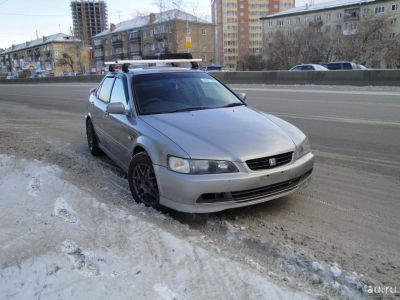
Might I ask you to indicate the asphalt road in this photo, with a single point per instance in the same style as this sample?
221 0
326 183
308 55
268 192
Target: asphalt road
348 215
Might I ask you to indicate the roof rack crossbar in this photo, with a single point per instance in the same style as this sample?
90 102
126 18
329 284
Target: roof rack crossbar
153 61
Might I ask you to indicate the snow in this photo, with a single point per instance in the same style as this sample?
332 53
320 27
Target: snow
58 241
317 7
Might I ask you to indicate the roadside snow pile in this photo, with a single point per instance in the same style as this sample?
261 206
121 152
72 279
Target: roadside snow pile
59 242
330 277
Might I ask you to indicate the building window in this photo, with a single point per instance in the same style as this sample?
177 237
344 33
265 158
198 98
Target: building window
203 31
395 6
279 23
393 21
298 20
270 24
379 9
339 15
328 17
392 35
317 18
365 12
289 21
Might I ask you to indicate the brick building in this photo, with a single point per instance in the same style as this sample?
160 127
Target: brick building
172 31
238 27
42 56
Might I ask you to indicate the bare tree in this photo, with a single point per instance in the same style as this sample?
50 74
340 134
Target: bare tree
67 60
365 41
251 62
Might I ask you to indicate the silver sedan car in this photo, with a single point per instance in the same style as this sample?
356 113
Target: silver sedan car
190 143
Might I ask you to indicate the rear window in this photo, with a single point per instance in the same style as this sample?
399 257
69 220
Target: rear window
334 66
347 66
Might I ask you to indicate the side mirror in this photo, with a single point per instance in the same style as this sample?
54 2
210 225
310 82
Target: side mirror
92 90
116 108
242 96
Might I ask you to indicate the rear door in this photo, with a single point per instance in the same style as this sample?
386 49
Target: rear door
98 111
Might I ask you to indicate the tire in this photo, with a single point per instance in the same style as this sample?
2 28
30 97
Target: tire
92 139
143 181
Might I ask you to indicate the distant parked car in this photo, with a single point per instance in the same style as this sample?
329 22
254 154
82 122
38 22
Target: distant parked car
341 65
215 68
10 77
308 67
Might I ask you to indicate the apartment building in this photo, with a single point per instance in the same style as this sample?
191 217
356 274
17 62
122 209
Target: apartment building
42 56
238 27
172 31
341 16
89 17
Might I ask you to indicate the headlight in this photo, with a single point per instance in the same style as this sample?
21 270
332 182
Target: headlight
303 148
200 166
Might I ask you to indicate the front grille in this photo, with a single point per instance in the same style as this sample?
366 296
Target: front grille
250 195
265 191
264 162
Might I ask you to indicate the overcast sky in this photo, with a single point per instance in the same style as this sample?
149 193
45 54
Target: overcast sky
20 19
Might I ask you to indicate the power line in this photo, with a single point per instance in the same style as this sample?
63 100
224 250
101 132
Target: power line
31 15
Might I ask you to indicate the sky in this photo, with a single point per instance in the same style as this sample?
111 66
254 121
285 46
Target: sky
23 20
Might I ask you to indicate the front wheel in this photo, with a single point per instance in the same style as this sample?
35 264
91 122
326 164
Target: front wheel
143 181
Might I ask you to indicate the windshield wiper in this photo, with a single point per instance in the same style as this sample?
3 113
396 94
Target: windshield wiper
189 109
233 105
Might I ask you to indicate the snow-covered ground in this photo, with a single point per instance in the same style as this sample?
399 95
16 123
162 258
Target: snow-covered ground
59 242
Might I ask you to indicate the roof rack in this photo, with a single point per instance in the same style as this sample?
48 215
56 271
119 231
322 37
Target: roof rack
152 61
158 62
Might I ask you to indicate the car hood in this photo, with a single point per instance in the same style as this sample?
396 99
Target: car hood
236 134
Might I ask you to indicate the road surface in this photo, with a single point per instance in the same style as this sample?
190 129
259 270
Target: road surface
348 216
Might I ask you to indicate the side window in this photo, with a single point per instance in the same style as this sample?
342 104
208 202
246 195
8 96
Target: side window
347 66
105 90
118 92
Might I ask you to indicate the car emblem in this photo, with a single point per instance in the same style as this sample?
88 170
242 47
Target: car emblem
272 162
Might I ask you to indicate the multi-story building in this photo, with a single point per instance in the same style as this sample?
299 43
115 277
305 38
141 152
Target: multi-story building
341 16
238 27
89 18
49 54
172 31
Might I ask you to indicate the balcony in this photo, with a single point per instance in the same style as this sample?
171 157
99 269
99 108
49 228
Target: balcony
162 50
135 53
351 14
118 56
160 36
99 57
98 46
116 41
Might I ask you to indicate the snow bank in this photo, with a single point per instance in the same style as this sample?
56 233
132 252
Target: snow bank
59 242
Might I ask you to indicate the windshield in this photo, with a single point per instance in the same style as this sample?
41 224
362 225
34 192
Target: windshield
180 91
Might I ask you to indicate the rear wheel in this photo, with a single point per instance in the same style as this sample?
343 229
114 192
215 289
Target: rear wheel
92 139
142 180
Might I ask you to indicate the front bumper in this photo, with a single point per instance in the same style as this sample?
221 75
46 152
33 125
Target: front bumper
182 192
